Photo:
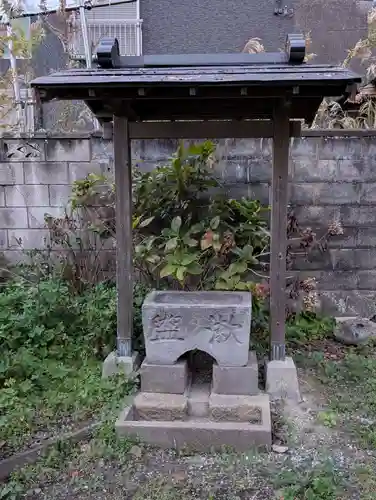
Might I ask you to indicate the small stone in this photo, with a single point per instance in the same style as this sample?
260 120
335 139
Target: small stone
280 449
136 451
37 491
354 331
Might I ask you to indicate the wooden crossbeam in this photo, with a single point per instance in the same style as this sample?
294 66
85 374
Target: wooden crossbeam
208 130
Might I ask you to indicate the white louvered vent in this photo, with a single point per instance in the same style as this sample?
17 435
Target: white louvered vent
116 21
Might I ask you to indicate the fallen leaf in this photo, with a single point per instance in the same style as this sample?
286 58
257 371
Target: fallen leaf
136 451
279 449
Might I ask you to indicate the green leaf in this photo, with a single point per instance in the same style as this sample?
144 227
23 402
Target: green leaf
171 244
242 285
176 224
187 259
153 259
167 270
180 273
196 228
194 268
221 285
139 249
239 267
135 222
214 223
147 221
191 242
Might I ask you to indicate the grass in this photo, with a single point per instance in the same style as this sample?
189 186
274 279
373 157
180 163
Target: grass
50 381
350 387
77 395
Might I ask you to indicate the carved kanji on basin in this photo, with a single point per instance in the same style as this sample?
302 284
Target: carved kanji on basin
217 323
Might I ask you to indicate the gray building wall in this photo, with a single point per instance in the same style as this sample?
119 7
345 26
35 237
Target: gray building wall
331 178
171 26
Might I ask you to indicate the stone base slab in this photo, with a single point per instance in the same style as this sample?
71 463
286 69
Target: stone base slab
198 400
114 364
282 380
236 380
154 406
200 435
172 379
251 409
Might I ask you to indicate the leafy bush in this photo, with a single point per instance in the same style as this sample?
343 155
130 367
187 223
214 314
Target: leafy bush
52 342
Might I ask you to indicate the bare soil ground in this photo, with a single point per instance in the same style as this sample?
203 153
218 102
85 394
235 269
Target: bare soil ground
330 455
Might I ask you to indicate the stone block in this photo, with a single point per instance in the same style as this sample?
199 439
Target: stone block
365 258
241 148
325 193
332 280
3 239
68 150
198 400
172 379
357 216
27 196
282 380
247 170
305 146
348 303
316 215
257 191
59 195
46 172
24 150
13 257
80 170
355 170
11 173
2 196
339 148
217 323
237 380
37 215
197 435
11 218
114 364
368 193
226 408
366 280
307 169
157 406
28 239
366 237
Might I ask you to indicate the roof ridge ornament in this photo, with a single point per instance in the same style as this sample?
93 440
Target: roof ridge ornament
108 56
295 48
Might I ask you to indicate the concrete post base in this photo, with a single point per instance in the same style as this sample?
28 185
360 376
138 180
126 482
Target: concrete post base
282 380
119 364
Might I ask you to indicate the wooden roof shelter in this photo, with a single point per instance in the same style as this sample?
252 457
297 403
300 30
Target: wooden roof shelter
201 96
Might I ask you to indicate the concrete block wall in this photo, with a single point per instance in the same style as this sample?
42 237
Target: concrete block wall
332 178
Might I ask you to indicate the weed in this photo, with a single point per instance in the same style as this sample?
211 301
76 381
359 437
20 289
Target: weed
327 418
322 482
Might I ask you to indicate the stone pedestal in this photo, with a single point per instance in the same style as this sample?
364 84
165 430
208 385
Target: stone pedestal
176 408
172 379
282 380
119 364
237 380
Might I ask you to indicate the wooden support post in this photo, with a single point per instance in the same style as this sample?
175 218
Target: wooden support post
124 264
278 231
